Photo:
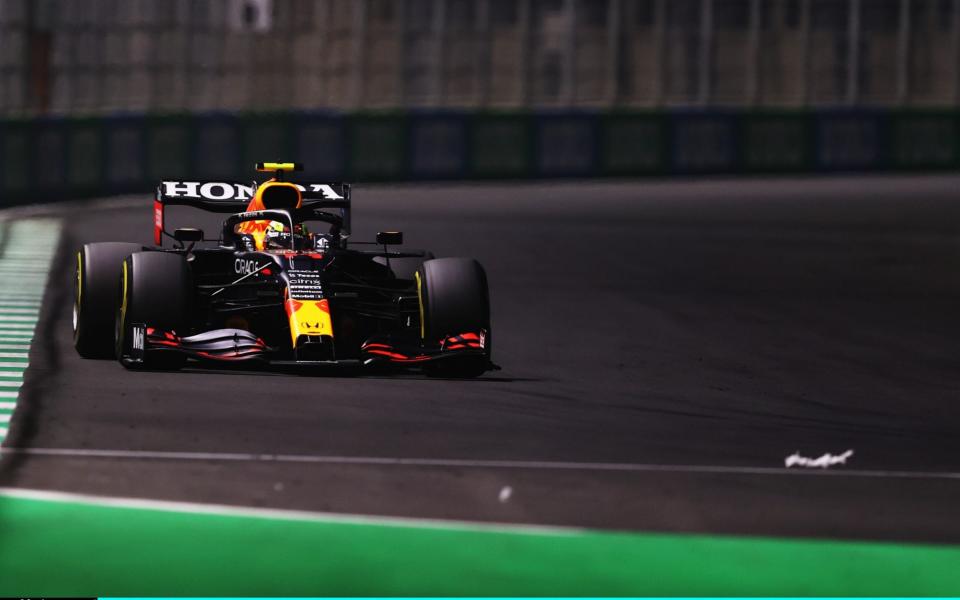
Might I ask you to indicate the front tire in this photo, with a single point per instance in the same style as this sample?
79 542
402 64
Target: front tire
155 289
95 292
454 299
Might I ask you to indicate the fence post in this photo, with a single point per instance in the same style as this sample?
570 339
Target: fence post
660 25
706 51
359 51
903 53
753 54
524 58
955 50
805 52
438 30
613 52
569 88
853 54
482 53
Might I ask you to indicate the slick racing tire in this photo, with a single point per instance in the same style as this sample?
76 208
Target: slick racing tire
454 299
95 292
155 289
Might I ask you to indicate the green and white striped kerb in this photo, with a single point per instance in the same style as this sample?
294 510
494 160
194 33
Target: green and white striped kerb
26 250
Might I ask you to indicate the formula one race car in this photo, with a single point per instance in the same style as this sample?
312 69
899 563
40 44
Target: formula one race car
281 282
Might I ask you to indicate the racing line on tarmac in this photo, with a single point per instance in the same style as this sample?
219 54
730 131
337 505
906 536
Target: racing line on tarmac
472 464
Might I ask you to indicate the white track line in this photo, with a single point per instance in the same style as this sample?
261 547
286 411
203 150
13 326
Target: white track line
284 514
23 364
4 418
9 394
7 405
10 384
475 464
13 346
13 355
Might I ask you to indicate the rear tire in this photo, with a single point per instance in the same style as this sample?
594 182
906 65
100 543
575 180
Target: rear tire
95 292
155 289
454 299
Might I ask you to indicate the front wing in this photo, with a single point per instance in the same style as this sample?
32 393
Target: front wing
233 345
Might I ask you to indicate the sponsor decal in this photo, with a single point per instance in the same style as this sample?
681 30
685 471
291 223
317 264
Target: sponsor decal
157 222
138 335
322 188
305 285
220 191
243 266
224 190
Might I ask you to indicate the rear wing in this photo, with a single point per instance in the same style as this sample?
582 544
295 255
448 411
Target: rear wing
230 198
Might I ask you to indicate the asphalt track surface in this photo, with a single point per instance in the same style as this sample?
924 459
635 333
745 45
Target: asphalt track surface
665 346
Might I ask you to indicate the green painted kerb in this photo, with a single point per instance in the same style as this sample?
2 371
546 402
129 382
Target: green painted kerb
64 548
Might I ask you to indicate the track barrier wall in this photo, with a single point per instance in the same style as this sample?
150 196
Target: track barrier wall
50 158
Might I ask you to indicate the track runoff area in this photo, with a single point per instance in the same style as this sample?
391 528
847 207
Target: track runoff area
709 388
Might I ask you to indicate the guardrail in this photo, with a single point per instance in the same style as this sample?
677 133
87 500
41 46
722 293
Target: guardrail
49 158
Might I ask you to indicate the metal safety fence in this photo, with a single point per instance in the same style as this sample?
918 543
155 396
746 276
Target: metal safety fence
104 56
49 158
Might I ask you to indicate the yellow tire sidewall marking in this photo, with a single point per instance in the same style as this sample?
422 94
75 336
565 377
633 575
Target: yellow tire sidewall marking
423 326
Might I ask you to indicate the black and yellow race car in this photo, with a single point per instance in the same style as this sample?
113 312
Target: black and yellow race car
280 282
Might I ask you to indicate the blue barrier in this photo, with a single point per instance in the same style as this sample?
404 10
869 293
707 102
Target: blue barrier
849 140
567 144
438 146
